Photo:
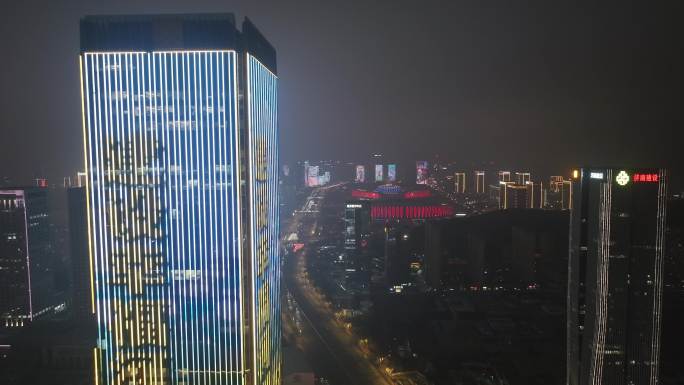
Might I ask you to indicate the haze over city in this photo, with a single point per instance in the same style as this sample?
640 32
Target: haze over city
547 85
352 193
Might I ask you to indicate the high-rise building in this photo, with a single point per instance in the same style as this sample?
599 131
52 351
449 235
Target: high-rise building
460 182
504 176
26 257
480 182
512 196
615 277
535 195
522 177
559 194
356 221
181 151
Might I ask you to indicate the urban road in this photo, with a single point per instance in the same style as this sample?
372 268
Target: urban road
332 351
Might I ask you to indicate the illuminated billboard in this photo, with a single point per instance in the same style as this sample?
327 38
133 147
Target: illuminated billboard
378 173
411 212
421 172
360 174
391 172
324 178
312 177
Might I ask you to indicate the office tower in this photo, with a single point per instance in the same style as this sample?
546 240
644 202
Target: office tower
480 182
522 177
535 195
460 182
512 196
504 176
181 131
356 222
26 257
350 225
615 276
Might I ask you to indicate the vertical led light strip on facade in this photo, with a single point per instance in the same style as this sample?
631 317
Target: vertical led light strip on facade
203 214
161 146
125 217
602 284
262 127
658 275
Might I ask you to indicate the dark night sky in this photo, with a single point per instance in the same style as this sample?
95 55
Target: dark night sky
543 85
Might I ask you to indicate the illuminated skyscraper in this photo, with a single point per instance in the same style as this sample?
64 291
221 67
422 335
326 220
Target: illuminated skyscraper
615 278
460 182
181 131
504 176
480 182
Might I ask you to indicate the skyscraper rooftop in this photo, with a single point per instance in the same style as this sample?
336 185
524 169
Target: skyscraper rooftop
168 32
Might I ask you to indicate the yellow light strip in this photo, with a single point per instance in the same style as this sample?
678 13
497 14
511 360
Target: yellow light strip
87 196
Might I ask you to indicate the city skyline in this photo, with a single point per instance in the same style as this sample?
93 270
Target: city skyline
362 193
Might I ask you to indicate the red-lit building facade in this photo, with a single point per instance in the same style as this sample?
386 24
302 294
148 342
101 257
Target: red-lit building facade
391 202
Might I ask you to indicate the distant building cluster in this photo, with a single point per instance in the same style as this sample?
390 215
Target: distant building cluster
418 236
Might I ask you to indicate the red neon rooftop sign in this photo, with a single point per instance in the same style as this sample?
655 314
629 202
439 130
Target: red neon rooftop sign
411 212
649 177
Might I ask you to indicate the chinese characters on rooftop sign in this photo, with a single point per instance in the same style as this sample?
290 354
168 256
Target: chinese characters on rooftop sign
650 177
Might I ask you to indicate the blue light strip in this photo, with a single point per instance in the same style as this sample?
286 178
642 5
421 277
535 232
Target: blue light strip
263 167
